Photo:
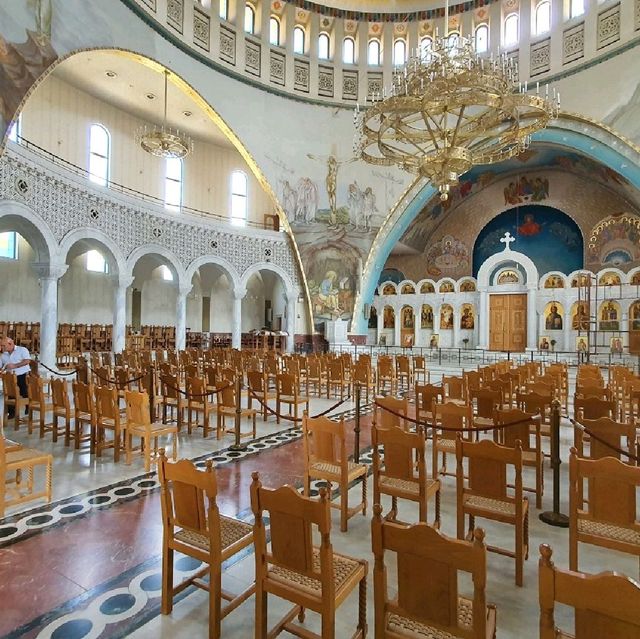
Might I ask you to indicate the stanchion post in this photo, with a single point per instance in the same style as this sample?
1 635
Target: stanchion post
555 517
152 394
237 445
356 430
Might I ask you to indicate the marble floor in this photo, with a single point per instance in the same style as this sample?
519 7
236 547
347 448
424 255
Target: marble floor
88 564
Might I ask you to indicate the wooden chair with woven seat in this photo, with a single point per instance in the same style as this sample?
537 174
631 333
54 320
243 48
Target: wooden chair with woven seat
198 403
404 374
485 402
288 393
428 603
192 525
258 391
449 421
172 399
609 435
336 378
227 406
311 577
12 398
454 389
524 428
363 378
593 408
385 374
109 418
326 459
420 369
390 412
486 493
16 461
314 376
84 414
610 517
40 404
61 410
139 425
607 605
426 396
401 471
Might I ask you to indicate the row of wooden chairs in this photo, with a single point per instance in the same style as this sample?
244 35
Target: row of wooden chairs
25 334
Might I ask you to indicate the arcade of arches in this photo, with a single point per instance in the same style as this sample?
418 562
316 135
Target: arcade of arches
200 306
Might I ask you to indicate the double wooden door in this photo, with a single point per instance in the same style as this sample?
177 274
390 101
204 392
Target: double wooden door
508 322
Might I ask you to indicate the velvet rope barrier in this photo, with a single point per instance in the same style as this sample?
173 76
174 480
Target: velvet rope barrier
586 431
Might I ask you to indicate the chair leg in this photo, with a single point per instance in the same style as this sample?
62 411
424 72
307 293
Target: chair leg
328 624
344 506
519 553
215 596
362 606
260 612
167 581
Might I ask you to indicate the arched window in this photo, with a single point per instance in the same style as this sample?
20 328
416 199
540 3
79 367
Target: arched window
96 262
426 46
482 38
166 273
543 17
249 18
452 40
274 31
373 52
173 184
298 40
15 130
9 245
399 52
323 46
224 9
238 198
99 155
349 51
576 8
511 29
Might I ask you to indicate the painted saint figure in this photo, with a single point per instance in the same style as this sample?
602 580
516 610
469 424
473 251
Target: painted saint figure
553 321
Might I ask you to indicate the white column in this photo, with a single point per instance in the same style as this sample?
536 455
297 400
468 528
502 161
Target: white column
483 320
532 323
417 316
380 319
397 326
181 316
120 312
49 274
236 330
292 298
566 332
456 327
624 329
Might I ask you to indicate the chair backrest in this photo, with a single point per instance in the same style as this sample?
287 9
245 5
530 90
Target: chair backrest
291 516
608 435
286 384
385 418
362 372
455 416
521 428
82 399
427 394
107 402
453 387
385 367
198 390
403 364
593 407
419 363
606 604
170 386
486 401
403 451
9 384
226 395
59 393
35 389
335 370
137 405
534 402
428 563
256 381
600 392
324 440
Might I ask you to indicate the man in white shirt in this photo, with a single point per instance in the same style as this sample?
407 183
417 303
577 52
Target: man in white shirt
15 359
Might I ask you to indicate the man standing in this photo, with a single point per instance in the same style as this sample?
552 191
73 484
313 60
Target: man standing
15 359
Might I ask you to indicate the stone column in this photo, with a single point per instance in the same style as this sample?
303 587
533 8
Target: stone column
417 314
532 323
380 319
49 274
456 327
567 346
181 316
483 320
120 312
397 326
624 329
236 330
292 298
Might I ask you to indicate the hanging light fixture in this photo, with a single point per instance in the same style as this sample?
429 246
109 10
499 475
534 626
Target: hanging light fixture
164 141
449 109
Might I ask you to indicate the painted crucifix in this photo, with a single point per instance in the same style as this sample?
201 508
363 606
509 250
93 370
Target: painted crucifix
507 240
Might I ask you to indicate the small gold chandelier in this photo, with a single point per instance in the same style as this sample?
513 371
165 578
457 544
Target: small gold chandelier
164 141
450 109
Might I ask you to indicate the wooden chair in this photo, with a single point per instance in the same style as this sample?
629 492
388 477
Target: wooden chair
387 411
14 464
39 403
198 402
593 408
385 374
227 407
609 435
336 378
610 518
108 418
325 457
420 369
402 471
427 603
363 377
454 390
404 375
524 428
84 414
485 494
61 410
192 525
485 402
13 398
310 577
257 382
172 398
426 396
449 416
607 605
287 392
314 376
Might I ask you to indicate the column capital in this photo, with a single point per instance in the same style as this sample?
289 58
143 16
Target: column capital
49 271
239 293
184 289
122 281
292 294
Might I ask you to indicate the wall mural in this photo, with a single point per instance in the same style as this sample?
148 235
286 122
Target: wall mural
447 257
553 320
550 238
616 242
467 318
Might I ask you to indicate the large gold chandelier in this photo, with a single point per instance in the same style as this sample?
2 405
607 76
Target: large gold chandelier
161 140
450 109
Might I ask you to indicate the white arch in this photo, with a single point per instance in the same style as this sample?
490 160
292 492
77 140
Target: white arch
34 229
621 274
403 283
548 274
384 284
84 233
507 255
156 249
267 266
224 264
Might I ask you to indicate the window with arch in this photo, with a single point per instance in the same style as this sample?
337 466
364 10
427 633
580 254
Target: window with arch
399 52
373 52
274 31
452 40
15 130
298 40
511 30
173 184
482 38
576 8
99 154
542 19
238 198
223 10
426 46
349 51
96 262
9 245
166 273
323 46
249 18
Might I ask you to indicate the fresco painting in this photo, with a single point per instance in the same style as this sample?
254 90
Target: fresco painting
615 241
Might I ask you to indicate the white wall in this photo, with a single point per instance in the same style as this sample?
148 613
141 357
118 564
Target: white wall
19 287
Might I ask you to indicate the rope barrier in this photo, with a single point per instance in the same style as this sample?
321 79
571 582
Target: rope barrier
189 395
60 373
620 451
117 382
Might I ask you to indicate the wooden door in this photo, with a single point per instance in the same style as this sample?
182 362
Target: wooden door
508 322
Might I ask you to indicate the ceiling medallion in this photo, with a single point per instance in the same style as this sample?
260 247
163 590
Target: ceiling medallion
164 141
450 109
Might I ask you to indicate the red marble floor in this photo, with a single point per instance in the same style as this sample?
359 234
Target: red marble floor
42 572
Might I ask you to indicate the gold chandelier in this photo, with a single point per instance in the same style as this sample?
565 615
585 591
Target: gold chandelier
164 141
448 110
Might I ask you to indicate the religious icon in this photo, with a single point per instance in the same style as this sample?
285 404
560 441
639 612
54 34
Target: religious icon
389 289
582 344
467 321
382 340
610 279
446 287
388 317
407 317
446 318
616 346
427 287
434 340
554 281
407 289
609 317
508 276
407 341
544 344
529 226
553 321
635 316
580 321
426 317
